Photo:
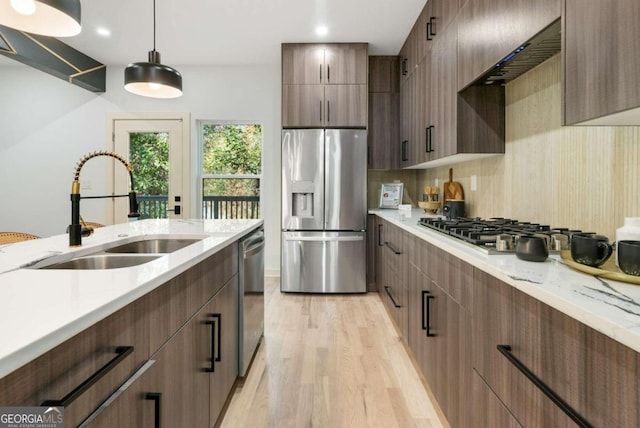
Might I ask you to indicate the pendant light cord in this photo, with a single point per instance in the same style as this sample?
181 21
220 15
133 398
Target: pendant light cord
154 25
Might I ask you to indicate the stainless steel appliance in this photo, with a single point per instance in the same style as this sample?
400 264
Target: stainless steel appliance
324 210
499 235
251 290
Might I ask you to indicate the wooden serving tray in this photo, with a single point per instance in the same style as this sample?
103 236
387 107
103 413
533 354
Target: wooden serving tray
608 270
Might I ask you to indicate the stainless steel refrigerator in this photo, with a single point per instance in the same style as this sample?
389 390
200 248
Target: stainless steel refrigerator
324 210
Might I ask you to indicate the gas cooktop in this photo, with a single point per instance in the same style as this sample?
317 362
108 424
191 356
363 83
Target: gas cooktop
499 235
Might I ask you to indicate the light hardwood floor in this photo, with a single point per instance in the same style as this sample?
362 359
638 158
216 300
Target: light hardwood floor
329 361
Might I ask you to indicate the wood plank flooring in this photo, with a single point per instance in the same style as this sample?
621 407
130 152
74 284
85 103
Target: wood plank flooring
329 361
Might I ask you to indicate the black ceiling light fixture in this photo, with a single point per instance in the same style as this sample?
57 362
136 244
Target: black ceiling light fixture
55 18
153 79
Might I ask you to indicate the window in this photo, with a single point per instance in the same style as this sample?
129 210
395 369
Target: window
149 156
231 168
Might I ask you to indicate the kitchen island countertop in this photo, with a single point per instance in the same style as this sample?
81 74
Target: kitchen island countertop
610 307
40 309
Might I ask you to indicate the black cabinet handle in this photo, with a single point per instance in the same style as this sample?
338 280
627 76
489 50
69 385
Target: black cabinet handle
215 336
320 73
404 67
328 111
386 288
328 73
404 151
122 351
369 155
392 248
155 397
427 143
430 297
321 111
430 137
380 243
429 31
558 401
212 367
218 353
432 26
424 325
117 393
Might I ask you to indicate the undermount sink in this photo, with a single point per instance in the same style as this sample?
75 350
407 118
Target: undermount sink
153 246
102 261
121 255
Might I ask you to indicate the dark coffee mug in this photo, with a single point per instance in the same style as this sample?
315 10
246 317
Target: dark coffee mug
629 257
532 248
591 250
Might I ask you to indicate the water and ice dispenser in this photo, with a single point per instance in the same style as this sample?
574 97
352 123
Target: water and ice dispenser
302 193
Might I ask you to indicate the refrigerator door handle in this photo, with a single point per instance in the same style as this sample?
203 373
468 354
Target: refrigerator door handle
324 239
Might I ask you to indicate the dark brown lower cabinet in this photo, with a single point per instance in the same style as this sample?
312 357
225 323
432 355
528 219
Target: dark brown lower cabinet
439 337
494 356
394 247
61 371
488 410
225 364
372 243
186 383
594 377
174 354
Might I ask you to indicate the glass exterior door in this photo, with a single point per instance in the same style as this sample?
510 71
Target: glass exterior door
155 151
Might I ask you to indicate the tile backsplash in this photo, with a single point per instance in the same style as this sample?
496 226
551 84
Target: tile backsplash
582 177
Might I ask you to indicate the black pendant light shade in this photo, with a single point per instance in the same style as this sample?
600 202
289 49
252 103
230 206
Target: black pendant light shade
153 79
55 18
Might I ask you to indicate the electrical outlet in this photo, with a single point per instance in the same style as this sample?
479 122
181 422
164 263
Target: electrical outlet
474 183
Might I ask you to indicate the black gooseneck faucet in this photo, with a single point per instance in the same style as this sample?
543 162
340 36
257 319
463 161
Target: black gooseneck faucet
75 228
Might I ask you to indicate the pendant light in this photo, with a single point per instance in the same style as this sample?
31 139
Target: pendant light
55 18
153 79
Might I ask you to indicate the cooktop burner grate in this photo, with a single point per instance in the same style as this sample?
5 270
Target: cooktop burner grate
496 235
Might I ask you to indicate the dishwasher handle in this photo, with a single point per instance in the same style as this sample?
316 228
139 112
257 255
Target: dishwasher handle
256 248
253 244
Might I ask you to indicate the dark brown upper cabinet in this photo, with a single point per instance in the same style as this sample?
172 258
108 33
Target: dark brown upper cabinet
601 59
328 64
384 109
491 29
324 85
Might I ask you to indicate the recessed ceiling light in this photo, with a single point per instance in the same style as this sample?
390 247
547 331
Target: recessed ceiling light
105 32
322 30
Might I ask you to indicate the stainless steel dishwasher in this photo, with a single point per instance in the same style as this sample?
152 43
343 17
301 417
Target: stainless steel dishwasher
251 289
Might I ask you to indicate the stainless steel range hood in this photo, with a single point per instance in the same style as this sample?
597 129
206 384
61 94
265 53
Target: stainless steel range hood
535 51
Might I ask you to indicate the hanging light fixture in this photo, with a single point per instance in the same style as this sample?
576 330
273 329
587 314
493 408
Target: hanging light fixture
55 18
153 79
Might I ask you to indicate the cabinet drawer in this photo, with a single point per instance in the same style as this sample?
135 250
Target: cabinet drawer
594 375
62 370
175 302
503 316
488 410
395 297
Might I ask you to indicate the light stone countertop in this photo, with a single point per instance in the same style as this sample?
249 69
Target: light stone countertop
40 309
610 307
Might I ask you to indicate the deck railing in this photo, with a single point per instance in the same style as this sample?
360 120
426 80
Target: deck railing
213 207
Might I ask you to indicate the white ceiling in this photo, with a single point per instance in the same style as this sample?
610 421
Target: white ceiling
224 32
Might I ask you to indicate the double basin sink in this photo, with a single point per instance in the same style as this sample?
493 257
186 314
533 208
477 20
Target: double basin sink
122 255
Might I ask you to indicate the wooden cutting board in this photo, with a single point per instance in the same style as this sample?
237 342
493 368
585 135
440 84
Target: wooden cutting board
453 189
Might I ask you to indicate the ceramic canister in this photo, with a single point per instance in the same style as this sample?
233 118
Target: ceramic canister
630 231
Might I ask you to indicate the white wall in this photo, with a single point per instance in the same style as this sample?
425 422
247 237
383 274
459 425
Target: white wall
47 124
